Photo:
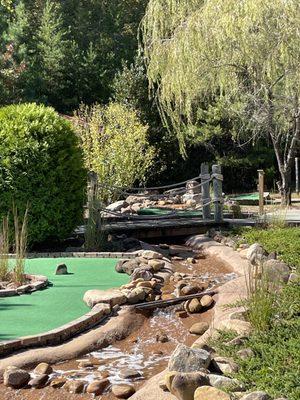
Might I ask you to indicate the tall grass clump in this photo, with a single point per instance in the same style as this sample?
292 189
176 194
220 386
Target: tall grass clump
261 299
4 249
94 237
20 245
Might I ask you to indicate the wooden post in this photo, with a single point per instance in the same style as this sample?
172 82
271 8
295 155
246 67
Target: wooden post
218 199
261 190
297 174
205 180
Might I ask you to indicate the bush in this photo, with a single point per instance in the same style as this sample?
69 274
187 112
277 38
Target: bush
115 145
41 165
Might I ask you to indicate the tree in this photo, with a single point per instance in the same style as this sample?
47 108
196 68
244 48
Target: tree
115 145
244 53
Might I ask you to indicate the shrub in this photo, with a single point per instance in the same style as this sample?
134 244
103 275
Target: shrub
115 145
41 165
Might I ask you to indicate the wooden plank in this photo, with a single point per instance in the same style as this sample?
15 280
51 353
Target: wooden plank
170 302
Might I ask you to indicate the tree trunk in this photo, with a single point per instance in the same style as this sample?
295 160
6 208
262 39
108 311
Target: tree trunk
285 187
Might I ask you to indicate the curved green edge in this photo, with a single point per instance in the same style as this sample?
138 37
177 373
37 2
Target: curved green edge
61 303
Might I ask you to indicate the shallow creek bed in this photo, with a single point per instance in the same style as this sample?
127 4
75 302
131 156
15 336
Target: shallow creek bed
145 352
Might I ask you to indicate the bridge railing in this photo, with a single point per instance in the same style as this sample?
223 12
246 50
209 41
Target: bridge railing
205 189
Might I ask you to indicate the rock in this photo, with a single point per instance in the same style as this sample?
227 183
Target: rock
224 383
131 243
184 384
210 393
168 378
199 328
294 277
142 273
151 255
206 301
256 253
190 289
122 391
128 373
57 383
238 341
111 297
15 377
98 387
119 266
129 266
256 396
276 271
162 338
163 386
190 260
164 246
145 284
185 359
244 354
136 295
39 381
61 269
225 365
75 387
43 368
117 206
193 306
157 265
86 364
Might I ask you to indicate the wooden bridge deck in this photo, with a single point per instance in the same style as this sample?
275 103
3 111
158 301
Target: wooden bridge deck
163 227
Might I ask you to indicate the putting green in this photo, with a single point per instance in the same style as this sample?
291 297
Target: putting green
44 310
165 211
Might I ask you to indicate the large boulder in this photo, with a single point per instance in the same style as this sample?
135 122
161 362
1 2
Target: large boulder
112 297
210 393
185 359
119 266
276 271
15 377
184 384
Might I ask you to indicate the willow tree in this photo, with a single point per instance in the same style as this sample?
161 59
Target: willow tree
242 53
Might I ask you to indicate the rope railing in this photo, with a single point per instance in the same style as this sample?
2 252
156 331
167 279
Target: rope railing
175 189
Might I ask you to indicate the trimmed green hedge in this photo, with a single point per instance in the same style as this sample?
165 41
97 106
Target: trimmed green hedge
41 164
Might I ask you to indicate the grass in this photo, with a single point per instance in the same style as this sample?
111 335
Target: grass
4 249
285 241
275 366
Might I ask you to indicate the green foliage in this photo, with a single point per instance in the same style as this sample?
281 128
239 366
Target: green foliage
115 144
275 365
285 241
71 49
41 164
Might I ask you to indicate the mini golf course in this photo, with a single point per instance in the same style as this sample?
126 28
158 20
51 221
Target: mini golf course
41 311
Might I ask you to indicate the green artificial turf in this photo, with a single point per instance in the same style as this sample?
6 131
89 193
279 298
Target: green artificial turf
50 308
166 211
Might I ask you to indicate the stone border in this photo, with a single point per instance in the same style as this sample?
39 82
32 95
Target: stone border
79 254
37 282
58 335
